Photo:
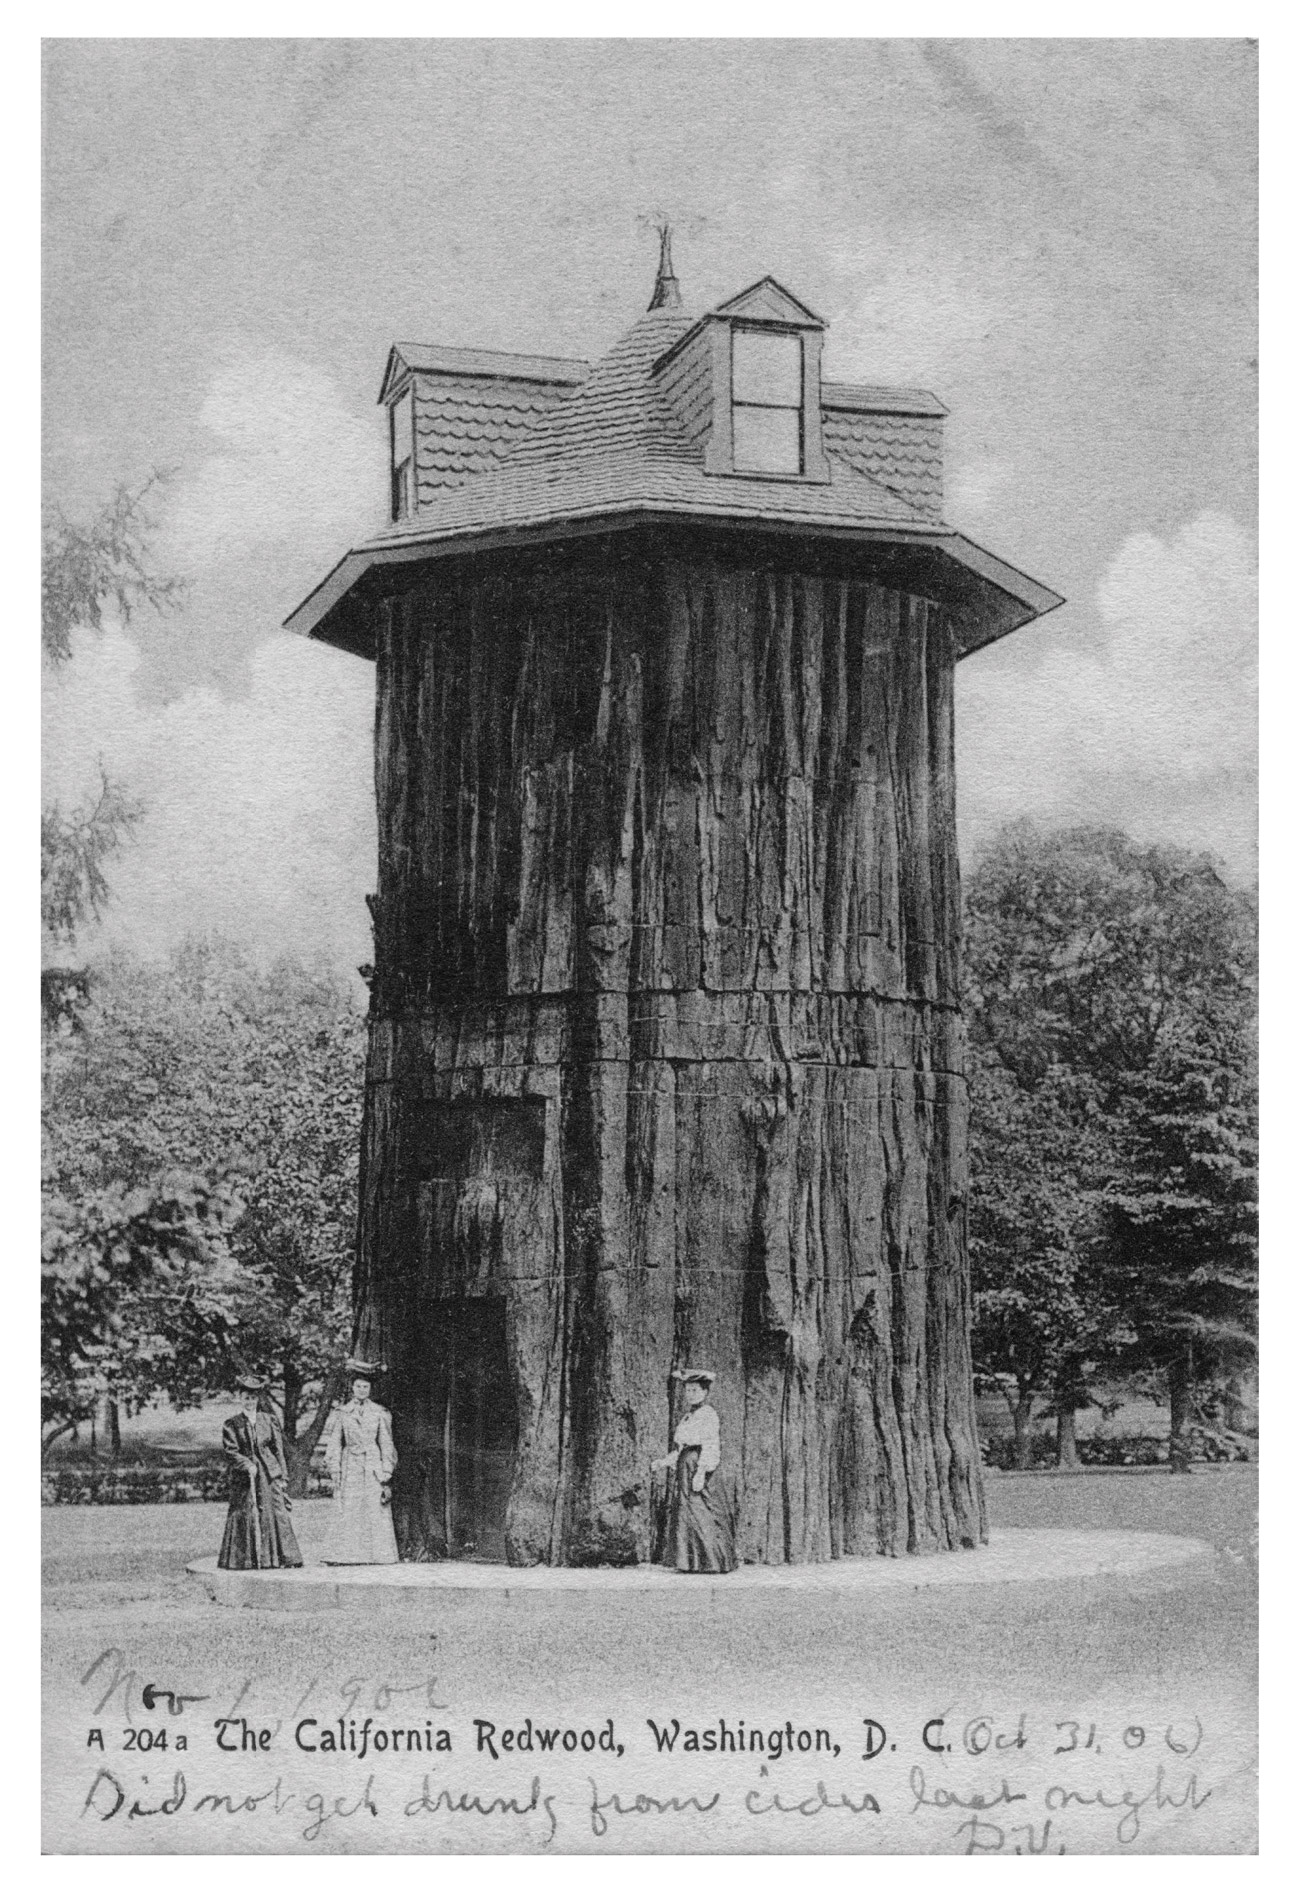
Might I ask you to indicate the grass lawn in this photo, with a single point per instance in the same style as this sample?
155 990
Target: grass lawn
1167 1651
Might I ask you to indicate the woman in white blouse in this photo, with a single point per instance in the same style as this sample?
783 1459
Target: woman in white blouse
361 1460
701 1526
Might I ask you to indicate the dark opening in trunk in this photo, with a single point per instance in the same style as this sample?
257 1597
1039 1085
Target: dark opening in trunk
459 1462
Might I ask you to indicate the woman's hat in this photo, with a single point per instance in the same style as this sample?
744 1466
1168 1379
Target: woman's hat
700 1373
249 1382
361 1369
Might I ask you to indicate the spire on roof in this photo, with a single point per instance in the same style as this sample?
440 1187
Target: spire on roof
667 290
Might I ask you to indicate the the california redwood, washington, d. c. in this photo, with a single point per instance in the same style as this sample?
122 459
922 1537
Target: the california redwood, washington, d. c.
666 1057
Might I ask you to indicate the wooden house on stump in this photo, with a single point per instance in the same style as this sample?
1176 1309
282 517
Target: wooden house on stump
666 1057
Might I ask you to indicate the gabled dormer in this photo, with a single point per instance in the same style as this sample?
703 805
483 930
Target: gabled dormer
455 412
745 382
724 421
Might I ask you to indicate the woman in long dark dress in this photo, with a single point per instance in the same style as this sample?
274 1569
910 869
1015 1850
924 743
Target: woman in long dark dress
258 1534
701 1520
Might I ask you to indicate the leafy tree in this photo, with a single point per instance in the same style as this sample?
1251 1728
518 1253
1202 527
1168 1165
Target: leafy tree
212 1065
100 1246
1084 949
129 1279
86 571
1184 1217
1043 1319
1131 970
75 847
104 566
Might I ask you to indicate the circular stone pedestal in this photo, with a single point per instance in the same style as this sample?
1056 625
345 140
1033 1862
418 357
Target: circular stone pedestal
1009 1557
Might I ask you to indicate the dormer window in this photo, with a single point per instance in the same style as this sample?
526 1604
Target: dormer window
402 440
745 384
767 401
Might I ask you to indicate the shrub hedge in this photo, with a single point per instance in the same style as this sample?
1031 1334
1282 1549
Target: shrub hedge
1204 1447
202 1483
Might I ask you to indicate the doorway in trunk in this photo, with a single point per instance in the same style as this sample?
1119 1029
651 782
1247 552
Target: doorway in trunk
475 1427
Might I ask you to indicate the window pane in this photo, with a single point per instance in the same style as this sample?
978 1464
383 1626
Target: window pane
401 490
767 369
767 440
401 429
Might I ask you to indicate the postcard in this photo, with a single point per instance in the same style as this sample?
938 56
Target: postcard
649 906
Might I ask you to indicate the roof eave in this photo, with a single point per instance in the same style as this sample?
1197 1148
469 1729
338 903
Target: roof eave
1025 598
331 613
841 397
392 373
810 317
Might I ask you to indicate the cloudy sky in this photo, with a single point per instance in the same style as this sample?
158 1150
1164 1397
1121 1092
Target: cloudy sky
1057 237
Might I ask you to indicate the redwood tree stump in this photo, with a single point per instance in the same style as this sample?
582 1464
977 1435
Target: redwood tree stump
666 1061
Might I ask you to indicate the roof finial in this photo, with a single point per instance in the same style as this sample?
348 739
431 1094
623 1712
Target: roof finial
667 291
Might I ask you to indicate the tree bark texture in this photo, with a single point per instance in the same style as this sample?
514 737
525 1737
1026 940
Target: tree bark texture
1181 1389
666 1059
1021 1415
1066 1439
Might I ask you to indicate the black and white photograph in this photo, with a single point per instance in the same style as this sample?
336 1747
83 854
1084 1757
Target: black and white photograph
649 946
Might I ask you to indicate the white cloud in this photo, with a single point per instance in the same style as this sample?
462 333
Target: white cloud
259 813
252 753
976 486
912 319
293 463
1151 724
260 819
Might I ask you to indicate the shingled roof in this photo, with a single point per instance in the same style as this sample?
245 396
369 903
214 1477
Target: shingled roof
515 447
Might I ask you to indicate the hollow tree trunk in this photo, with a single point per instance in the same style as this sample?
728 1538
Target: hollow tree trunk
666 1059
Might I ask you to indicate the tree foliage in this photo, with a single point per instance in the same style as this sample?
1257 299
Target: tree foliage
1183 1209
133 1283
215 1067
1084 949
1110 997
86 571
1045 1320
75 846
107 565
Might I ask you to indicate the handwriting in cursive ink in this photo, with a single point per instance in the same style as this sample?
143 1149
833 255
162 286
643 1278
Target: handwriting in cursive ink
355 1685
1133 1804
985 1836
153 1694
230 1803
106 1784
819 1802
944 1797
444 1801
120 1677
315 1804
642 1803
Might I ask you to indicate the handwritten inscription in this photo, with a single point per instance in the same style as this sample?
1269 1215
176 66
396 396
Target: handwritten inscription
637 1803
1011 1783
539 1811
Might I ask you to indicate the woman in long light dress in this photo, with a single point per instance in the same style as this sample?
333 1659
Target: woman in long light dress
701 1508
361 1460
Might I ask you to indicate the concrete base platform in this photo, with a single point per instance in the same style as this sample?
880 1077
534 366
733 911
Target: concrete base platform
1023 1556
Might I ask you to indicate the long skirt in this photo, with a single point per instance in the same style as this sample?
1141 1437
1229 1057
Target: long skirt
701 1524
258 1534
360 1530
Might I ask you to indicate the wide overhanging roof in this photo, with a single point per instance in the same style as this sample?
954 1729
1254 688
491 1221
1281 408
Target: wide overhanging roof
611 455
991 598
